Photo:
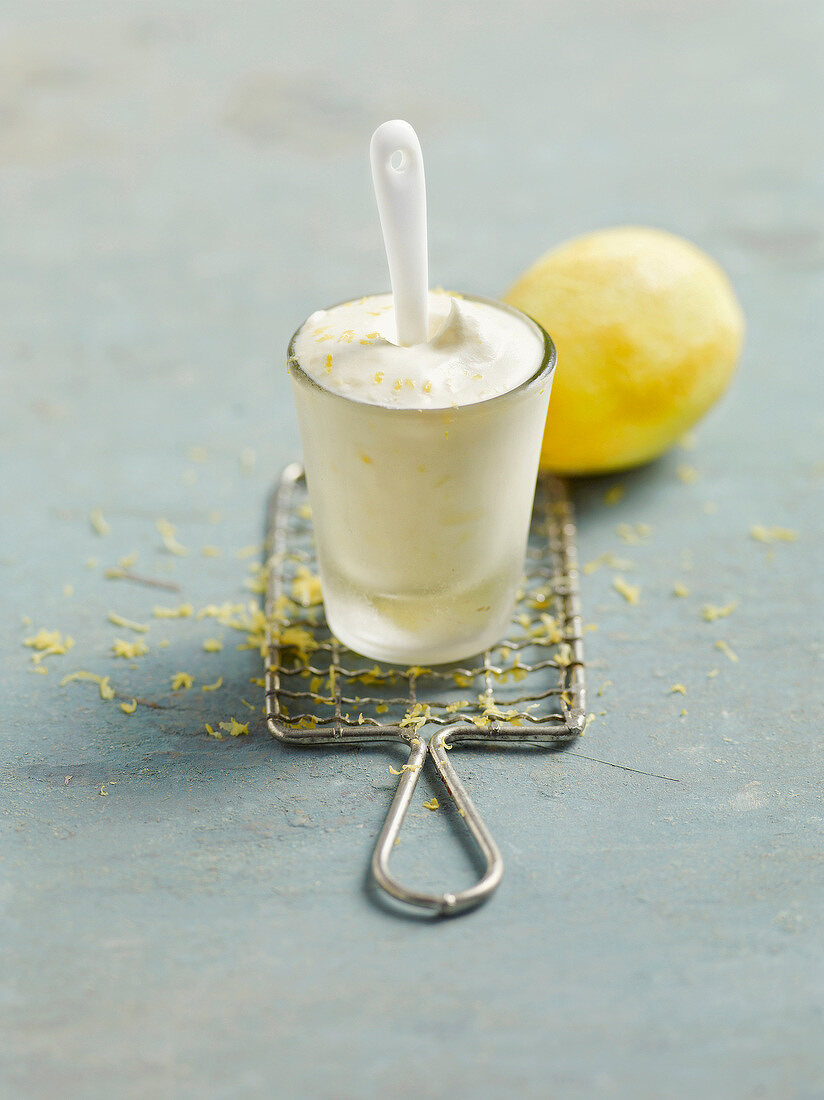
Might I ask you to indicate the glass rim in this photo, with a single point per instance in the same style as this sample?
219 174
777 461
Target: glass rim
545 368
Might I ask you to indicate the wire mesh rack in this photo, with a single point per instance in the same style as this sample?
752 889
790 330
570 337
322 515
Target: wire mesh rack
528 689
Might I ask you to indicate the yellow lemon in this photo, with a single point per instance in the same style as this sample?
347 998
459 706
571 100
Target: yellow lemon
648 331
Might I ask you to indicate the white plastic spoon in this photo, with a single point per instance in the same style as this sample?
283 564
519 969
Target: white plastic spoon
397 174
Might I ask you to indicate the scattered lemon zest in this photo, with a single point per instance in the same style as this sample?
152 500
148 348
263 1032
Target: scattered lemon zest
130 624
182 681
415 717
686 473
684 712
245 702
183 611
214 733
432 804
633 534
213 687
235 728
607 558
713 672
395 771
603 687
212 645
680 589
249 551
678 689
99 524
630 592
106 689
129 708
305 510
381 708
102 790
772 534
48 643
378 377
328 364
130 650
727 650
711 612
212 552
92 563
306 589
167 533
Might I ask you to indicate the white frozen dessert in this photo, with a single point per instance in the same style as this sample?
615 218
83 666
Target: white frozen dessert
475 351
421 465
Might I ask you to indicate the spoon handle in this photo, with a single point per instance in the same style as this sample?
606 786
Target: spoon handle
400 189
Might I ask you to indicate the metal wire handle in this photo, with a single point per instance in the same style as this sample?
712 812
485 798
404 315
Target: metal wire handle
458 725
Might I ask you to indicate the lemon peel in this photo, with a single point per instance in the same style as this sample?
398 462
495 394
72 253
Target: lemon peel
213 687
212 645
129 708
431 804
182 681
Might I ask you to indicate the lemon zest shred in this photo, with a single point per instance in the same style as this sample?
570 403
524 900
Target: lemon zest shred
183 611
678 689
306 588
431 804
607 558
106 689
129 708
211 552
212 645
182 681
167 532
213 687
680 589
130 624
686 473
214 733
772 534
98 523
711 612
235 728
727 650
129 650
630 592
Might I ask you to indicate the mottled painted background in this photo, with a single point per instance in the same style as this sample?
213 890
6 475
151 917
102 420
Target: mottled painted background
180 184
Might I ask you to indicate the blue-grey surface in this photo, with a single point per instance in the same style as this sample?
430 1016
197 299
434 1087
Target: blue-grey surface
180 184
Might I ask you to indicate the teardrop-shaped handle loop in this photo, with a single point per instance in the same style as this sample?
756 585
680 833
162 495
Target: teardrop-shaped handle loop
446 904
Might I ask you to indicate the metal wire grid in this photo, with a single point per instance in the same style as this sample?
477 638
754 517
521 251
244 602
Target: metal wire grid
530 688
